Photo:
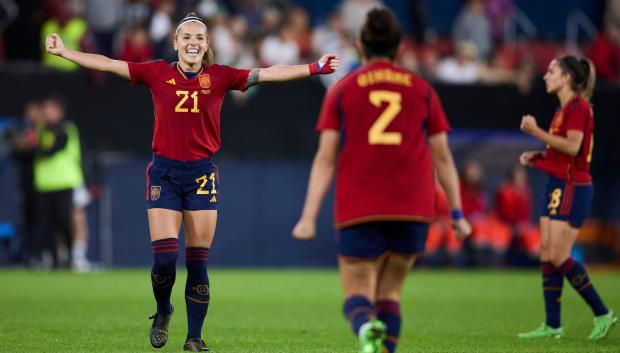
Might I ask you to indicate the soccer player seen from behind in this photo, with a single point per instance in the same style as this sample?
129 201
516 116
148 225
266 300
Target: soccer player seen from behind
382 131
182 181
568 192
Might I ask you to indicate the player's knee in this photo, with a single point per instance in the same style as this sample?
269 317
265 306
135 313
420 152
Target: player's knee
200 293
165 261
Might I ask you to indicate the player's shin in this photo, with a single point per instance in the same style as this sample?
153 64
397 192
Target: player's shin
552 290
163 272
197 291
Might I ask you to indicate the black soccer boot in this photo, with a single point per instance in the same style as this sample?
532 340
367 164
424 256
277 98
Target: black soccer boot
195 344
159 329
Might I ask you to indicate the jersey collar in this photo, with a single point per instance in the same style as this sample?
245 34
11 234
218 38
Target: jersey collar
183 73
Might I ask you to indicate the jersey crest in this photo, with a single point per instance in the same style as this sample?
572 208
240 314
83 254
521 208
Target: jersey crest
205 81
155 192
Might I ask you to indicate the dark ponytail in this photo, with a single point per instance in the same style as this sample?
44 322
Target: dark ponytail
582 73
381 34
208 58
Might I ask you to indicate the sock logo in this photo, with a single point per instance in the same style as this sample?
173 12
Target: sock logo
160 281
578 280
202 289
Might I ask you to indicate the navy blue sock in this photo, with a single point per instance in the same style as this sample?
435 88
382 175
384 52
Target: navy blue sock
163 272
358 310
578 278
553 282
197 292
388 311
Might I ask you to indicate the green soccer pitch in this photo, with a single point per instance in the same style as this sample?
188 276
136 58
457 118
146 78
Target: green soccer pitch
289 311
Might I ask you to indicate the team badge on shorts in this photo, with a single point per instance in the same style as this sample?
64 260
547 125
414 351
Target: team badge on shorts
205 81
155 192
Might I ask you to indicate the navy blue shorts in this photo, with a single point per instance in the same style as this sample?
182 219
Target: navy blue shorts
373 239
178 186
567 202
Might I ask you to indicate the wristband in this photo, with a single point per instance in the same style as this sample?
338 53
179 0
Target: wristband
456 214
315 68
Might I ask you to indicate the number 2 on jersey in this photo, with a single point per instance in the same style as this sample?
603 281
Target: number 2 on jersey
377 134
184 96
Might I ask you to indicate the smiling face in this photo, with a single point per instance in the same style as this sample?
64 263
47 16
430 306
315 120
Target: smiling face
555 79
191 43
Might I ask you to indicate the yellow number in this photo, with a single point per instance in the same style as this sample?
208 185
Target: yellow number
377 134
589 159
555 200
203 182
212 178
184 96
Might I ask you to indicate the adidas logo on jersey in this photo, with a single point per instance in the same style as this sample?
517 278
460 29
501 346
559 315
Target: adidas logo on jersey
171 81
213 199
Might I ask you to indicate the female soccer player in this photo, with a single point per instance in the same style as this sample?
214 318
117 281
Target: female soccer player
383 129
568 192
182 181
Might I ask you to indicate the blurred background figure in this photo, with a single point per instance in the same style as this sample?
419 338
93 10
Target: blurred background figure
57 172
443 247
463 68
24 141
472 25
70 24
513 205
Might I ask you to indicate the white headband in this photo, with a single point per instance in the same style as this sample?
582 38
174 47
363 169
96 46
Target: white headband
190 19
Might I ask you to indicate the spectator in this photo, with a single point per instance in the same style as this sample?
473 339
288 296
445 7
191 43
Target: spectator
104 17
473 195
56 173
462 68
472 25
330 37
300 25
136 46
513 205
499 12
161 26
72 27
24 142
353 13
605 51
281 48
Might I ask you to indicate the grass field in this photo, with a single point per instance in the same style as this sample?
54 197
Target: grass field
289 311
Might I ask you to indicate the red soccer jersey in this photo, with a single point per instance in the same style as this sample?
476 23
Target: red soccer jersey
576 115
187 111
384 114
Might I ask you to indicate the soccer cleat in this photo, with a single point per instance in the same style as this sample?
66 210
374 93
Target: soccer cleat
543 331
159 329
371 336
602 325
195 344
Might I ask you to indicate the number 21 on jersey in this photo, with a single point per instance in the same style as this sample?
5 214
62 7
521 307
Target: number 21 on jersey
184 97
377 134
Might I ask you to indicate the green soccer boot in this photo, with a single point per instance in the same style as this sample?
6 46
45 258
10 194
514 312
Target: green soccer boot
543 331
602 325
371 336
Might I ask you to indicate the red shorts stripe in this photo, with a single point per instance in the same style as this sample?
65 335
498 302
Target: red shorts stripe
148 181
568 201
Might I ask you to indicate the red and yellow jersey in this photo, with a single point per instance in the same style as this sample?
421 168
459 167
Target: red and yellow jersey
384 115
576 115
187 111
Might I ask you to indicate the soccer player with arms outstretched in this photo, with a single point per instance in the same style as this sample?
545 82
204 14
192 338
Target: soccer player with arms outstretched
182 181
382 131
568 192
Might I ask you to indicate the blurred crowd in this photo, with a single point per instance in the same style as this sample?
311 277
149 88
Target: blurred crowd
258 33
503 231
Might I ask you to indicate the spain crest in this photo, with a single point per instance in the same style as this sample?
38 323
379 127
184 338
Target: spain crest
205 81
155 192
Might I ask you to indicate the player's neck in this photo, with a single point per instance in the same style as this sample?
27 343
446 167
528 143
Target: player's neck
189 67
565 95
375 59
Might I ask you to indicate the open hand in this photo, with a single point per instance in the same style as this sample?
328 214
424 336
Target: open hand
54 45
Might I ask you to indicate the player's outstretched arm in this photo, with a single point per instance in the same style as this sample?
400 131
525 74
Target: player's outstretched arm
569 145
327 64
321 176
55 46
449 180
